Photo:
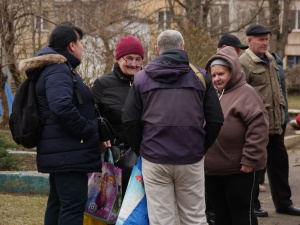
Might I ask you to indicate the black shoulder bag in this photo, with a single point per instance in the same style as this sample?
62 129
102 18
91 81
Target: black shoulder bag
105 130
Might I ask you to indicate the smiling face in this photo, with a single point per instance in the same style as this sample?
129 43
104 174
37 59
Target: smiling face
220 76
130 64
259 44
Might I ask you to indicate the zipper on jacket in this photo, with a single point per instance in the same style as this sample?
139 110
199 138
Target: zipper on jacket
130 82
81 141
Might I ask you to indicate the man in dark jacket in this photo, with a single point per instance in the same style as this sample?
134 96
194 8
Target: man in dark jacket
261 73
282 84
69 147
164 116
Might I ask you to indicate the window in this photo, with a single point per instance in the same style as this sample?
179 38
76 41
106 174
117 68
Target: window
292 61
297 19
218 18
163 20
260 17
41 23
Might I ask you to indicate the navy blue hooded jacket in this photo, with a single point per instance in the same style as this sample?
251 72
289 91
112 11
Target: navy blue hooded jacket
69 140
166 108
282 84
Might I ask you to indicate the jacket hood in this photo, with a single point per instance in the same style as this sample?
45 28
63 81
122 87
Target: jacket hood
238 76
44 57
278 59
169 66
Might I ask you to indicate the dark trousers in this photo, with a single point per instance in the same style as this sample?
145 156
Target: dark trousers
278 173
231 198
262 175
67 199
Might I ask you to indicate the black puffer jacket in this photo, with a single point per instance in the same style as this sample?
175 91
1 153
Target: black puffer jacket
110 92
69 140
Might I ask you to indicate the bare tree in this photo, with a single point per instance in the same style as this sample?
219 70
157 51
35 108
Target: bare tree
104 22
280 29
16 26
14 19
11 18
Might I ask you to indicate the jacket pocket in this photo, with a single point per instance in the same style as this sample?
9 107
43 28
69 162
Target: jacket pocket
258 78
217 159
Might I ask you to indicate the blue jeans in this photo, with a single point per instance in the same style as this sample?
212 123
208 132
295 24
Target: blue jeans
67 198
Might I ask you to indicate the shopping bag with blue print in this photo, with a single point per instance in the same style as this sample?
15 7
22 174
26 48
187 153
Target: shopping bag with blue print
105 192
134 207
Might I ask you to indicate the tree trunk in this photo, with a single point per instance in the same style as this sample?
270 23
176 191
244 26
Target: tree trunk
206 7
278 40
109 57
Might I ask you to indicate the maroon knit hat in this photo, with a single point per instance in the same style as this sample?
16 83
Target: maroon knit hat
129 45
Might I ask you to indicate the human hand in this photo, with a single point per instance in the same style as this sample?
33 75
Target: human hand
246 169
105 145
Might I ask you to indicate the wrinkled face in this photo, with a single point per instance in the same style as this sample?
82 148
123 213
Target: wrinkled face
130 64
220 76
78 49
259 44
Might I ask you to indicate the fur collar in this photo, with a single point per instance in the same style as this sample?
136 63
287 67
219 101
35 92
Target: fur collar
41 61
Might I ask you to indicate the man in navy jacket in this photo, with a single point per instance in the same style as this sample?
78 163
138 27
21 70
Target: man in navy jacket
164 116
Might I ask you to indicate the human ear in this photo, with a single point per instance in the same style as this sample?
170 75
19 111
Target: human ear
71 47
157 53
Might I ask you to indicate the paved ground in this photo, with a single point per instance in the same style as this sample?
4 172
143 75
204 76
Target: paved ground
266 199
294 179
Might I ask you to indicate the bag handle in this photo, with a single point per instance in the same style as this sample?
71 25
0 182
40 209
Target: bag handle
199 75
110 159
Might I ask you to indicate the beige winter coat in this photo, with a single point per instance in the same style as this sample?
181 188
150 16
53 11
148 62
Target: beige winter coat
266 81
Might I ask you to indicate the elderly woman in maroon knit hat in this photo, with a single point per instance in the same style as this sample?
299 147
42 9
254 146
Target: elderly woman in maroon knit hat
110 92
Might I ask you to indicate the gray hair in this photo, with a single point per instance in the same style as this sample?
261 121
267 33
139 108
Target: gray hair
169 39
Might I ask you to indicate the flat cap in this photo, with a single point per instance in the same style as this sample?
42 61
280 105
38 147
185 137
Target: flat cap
257 30
231 40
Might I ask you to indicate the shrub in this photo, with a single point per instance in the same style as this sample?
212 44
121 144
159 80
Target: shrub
7 161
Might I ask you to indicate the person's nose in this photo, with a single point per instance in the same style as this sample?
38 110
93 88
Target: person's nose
265 42
133 63
217 78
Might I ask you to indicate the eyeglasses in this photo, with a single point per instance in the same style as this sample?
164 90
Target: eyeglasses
129 61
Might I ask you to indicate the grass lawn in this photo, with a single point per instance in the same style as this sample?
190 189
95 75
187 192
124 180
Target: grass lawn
22 208
294 102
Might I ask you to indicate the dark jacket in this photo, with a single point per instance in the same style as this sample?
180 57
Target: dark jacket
282 84
244 136
164 112
70 140
110 92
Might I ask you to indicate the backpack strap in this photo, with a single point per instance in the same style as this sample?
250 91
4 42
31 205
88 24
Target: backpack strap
199 75
75 82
